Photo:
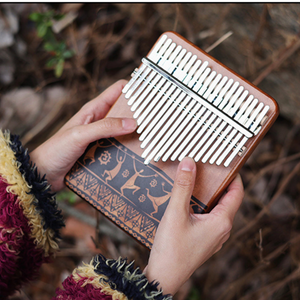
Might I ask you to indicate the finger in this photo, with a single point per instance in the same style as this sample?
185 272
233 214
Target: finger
105 128
97 108
183 186
231 201
101 104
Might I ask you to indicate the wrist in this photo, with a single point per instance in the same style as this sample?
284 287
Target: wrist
168 284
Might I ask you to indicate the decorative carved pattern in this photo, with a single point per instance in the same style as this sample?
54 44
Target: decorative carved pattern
116 182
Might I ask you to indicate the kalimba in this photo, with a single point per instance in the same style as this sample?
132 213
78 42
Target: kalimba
186 104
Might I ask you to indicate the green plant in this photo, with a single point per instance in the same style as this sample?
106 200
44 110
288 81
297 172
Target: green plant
66 195
57 49
194 294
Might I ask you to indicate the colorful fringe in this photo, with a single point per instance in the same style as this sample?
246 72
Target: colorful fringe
20 260
29 219
107 277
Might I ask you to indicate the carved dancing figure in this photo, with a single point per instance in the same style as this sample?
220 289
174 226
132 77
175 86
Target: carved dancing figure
130 183
114 172
91 153
157 201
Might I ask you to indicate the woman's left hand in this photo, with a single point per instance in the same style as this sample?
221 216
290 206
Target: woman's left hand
56 156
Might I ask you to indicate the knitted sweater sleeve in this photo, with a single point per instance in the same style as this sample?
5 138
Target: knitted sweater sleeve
30 224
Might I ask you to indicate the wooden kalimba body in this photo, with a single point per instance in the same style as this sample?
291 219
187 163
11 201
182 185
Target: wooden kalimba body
186 104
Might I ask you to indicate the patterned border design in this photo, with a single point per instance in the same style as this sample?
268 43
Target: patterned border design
116 182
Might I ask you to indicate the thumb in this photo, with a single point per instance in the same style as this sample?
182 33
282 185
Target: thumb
183 187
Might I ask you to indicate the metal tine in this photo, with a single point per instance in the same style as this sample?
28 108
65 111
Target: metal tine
161 117
229 148
190 136
215 137
167 125
207 81
243 107
160 49
187 130
153 54
210 133
202 90
258 120
150 86
212 86
228 95
211 120
166 55
145 83
156 122
217 141
188 69
197 75
168 66
154 106
182 64
250 109
199 124
226 143
244 140
175 125
254 115
162 55
239 135
204 138
188 72
178 60
175 130
177 140
217 100
192 84
193 70
233 99
226 140
237 104
162 101
199 82
137 83
156 92
133 79
179 124
171 61
217 89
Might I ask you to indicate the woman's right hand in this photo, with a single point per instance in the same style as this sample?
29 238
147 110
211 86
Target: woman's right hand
184 241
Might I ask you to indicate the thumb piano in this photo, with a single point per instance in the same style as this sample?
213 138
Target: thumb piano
186 104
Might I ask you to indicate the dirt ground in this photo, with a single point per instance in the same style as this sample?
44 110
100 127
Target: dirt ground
261 260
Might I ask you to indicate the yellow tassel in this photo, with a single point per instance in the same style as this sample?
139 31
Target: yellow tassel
9 171
98 281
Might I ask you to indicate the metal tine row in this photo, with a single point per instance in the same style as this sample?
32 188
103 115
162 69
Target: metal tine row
244 140
154 107
184 72
223 93
204 89
164 112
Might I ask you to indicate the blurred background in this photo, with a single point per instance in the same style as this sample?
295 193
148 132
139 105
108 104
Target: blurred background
56 57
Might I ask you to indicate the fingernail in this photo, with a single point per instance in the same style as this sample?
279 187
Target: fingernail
129 124
187 164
